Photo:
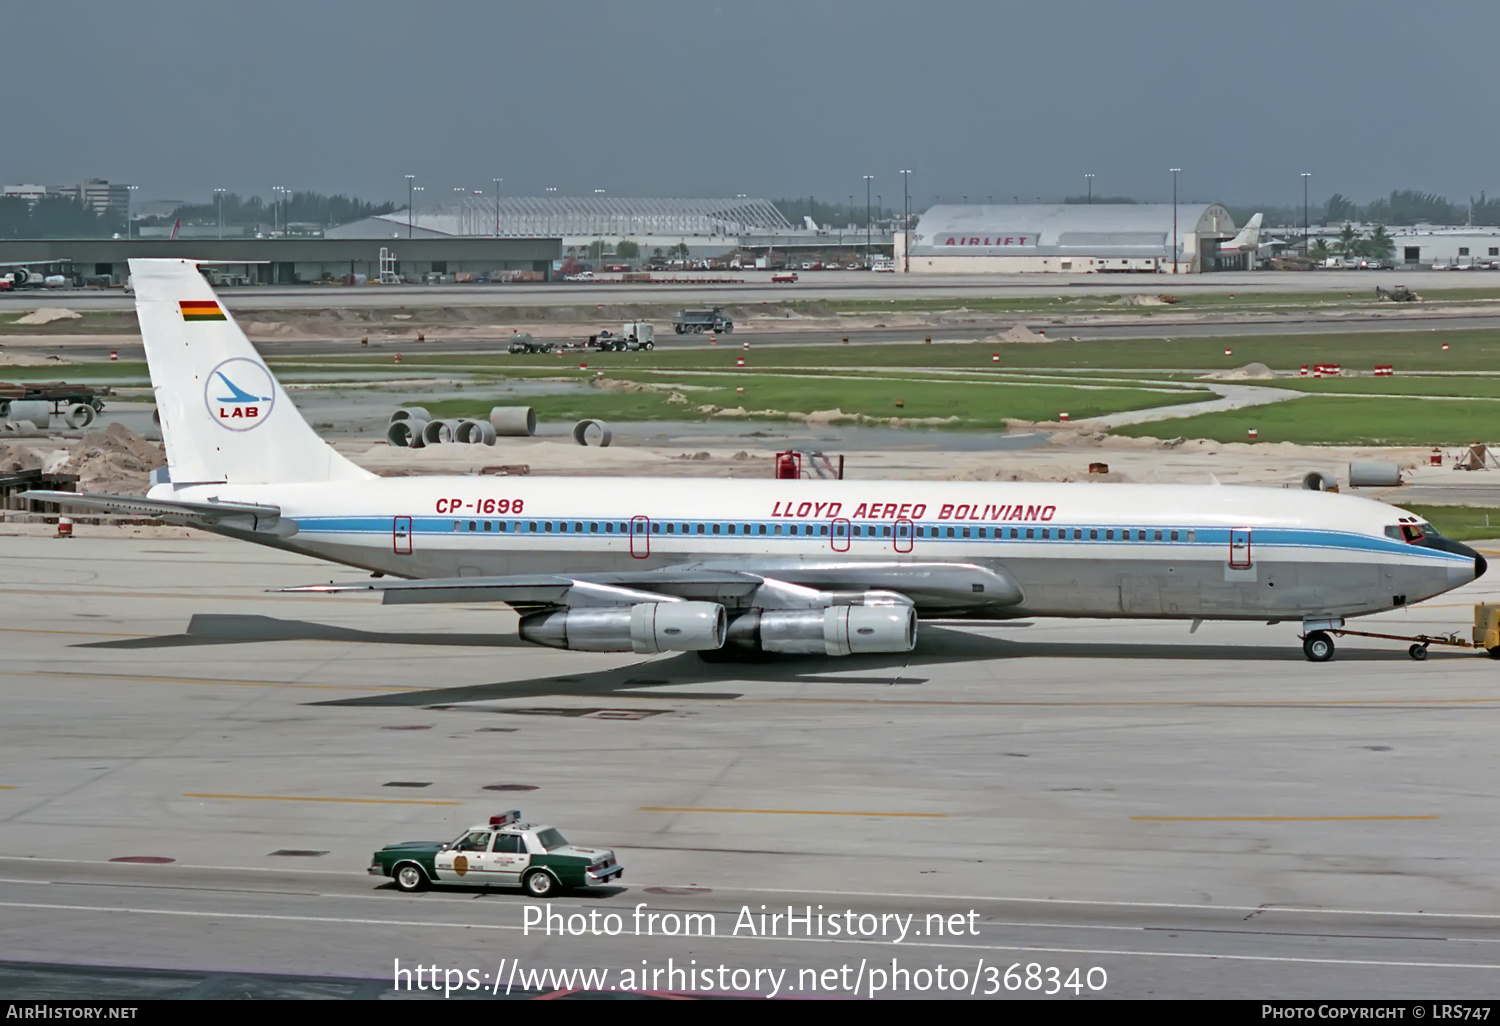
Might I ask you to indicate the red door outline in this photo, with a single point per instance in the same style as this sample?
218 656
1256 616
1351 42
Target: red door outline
838 539
401 536
640 537
904 533
1239 548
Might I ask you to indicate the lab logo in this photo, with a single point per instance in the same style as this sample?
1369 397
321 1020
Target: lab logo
240 394
460 864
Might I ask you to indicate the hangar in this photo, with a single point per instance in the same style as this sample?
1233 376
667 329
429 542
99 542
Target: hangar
1073 238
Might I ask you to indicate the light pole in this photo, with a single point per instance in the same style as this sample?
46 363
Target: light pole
1090 180
411 212
410 179
868 180
129 196
461 193
497 182
551 192
906 221
1305 176
1175 170
219 199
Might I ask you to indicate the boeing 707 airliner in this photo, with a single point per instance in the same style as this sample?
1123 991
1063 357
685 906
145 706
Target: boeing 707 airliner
732 567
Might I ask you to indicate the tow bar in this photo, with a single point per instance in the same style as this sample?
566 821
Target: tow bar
1486 636
1418 650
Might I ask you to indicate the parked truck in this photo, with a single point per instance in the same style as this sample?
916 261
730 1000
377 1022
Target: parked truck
522 342
696 322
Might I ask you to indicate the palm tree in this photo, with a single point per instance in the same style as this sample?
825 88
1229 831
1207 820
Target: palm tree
1380 244
1348 241
1319 250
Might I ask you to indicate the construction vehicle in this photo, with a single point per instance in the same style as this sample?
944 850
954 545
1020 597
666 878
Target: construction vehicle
633 336
522 342
696 322
1397 294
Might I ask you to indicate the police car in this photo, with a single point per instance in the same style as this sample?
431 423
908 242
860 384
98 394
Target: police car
503 852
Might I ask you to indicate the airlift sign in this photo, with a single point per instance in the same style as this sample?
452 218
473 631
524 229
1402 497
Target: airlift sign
239 394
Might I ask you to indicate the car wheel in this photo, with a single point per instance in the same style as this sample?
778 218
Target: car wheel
1318 647
539 883
409 877
649 346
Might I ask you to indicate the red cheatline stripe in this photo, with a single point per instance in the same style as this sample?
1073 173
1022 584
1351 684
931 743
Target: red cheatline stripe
198 304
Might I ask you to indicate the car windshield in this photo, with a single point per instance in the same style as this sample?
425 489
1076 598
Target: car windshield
552 839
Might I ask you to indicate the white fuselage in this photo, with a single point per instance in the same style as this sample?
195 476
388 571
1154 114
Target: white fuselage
1071 549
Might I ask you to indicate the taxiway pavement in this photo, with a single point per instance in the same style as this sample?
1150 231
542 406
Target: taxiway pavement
1197 814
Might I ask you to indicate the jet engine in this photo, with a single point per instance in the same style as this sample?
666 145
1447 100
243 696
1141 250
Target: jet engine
833 631
645 628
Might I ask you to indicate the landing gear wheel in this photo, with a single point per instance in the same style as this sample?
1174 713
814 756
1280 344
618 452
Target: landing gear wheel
1417 652
539 883
410 878
1318 647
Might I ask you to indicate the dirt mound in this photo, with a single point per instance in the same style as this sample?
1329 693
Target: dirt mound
113 460
48 314
16 457
1016 333
29 360
1249 372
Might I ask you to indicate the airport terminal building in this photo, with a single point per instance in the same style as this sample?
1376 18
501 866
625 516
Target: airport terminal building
1069 238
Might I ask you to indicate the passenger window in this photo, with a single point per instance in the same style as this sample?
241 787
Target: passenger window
686 528
778 528
1109 535
823 529
1015 533
471 525
966 532
731 528
1046 533
1158 536
716 529
488 526
1174 535
593 528
609 528
762 528
1077 534
887 531
1093 536
578 527
1192 536
457 525
531 527
671 528
656 528
1030 533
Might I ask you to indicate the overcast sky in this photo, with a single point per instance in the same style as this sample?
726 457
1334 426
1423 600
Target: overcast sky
772 98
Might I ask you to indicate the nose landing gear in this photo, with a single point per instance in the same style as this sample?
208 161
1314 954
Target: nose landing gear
1317 646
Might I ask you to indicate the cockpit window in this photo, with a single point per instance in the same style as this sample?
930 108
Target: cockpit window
1410 533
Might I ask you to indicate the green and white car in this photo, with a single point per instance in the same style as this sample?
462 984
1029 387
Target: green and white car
501 853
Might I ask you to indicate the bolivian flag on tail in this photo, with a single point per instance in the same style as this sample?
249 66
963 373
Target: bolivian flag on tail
201 310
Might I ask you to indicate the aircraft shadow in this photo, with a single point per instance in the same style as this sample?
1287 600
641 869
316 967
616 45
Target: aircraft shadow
237 629
936 647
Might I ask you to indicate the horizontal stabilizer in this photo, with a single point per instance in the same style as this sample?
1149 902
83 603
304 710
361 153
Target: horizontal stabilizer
244 516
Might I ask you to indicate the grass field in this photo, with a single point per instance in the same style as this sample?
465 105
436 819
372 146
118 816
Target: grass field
1334 420
976 406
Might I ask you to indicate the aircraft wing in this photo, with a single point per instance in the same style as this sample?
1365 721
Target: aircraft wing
947 585
242 516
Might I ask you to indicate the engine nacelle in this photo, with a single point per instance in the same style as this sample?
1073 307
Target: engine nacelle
644 628
835 631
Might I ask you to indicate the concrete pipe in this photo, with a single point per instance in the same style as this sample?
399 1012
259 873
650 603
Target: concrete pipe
1320 481
80 415
401 432
1374 475
410 413
5 410
475 432
20 427
437 432
34 410
513 421
592 432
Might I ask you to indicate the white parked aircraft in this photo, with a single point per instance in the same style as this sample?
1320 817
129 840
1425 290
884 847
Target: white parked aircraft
1247 239
735 567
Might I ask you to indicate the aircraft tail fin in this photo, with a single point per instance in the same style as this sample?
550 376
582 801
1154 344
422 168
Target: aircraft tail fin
224 416
812 225
1249 236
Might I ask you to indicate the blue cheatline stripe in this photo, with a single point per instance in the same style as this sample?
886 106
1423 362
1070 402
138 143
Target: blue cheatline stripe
927 532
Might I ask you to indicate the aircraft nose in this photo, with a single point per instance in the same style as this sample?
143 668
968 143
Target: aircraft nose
1480 566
